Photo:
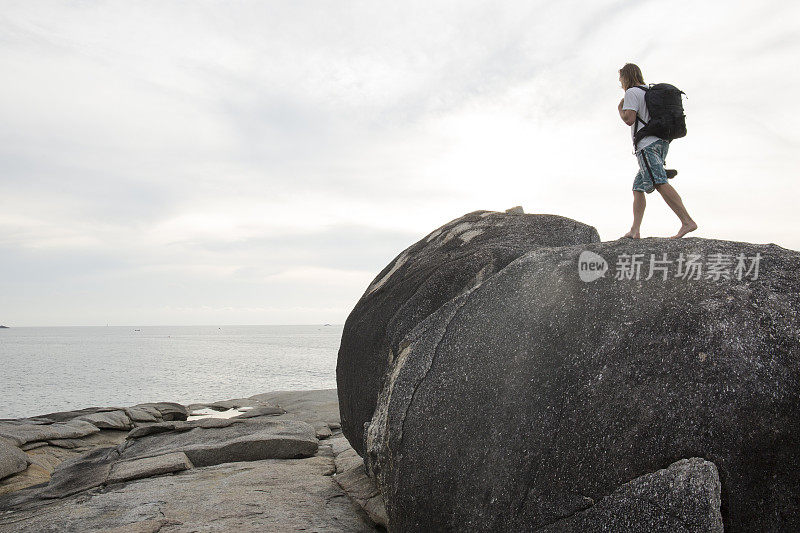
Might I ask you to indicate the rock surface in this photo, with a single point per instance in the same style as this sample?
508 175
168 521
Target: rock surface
524 399
250 439
109 420
144 480
447 262
683 498
148 467
351 476
12 459
22 432
269 495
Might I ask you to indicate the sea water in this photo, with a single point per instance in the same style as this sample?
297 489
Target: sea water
43 370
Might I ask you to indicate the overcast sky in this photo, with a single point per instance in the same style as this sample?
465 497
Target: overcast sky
240 162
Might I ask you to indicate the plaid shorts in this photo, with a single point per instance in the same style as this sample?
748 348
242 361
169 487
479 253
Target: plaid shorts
651 166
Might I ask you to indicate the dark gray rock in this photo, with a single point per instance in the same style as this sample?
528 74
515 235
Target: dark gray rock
261 411
12 459
168 410
452 259
683 498
80 473
570 389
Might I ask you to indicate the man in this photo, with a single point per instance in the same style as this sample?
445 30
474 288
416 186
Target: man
650 154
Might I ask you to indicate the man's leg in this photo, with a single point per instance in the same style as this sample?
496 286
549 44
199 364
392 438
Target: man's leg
675 203
639 204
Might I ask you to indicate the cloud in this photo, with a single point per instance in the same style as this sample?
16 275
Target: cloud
159 157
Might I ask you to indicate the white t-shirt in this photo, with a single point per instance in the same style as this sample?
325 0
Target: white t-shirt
634 99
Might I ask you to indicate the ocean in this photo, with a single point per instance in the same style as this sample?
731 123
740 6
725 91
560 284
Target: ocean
64 368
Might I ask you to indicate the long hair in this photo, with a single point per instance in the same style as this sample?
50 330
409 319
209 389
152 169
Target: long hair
631 75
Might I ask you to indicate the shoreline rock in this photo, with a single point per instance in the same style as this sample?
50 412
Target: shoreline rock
272 467
537 391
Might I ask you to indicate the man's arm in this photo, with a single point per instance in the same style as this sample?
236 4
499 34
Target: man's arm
628 116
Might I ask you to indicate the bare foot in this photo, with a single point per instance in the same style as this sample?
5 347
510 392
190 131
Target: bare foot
685 228
632 235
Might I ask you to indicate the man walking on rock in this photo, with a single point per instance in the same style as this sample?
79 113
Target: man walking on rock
650 154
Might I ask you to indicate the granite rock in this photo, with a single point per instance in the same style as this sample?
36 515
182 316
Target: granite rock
447 262
571 388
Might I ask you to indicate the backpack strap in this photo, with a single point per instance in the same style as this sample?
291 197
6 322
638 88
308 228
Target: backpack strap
638 118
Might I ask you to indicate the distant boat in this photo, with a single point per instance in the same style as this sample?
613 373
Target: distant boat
326 324
4 327
137 330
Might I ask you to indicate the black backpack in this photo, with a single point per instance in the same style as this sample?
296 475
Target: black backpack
665 105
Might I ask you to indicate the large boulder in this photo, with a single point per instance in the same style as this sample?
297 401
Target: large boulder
539 393
452 259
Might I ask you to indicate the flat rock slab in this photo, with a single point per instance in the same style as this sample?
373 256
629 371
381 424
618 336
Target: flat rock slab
143 414
148 466
268 495
682 498
12 459
242 440
179 425
20 432
320 407
109 420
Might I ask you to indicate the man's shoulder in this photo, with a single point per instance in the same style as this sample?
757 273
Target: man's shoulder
633 99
